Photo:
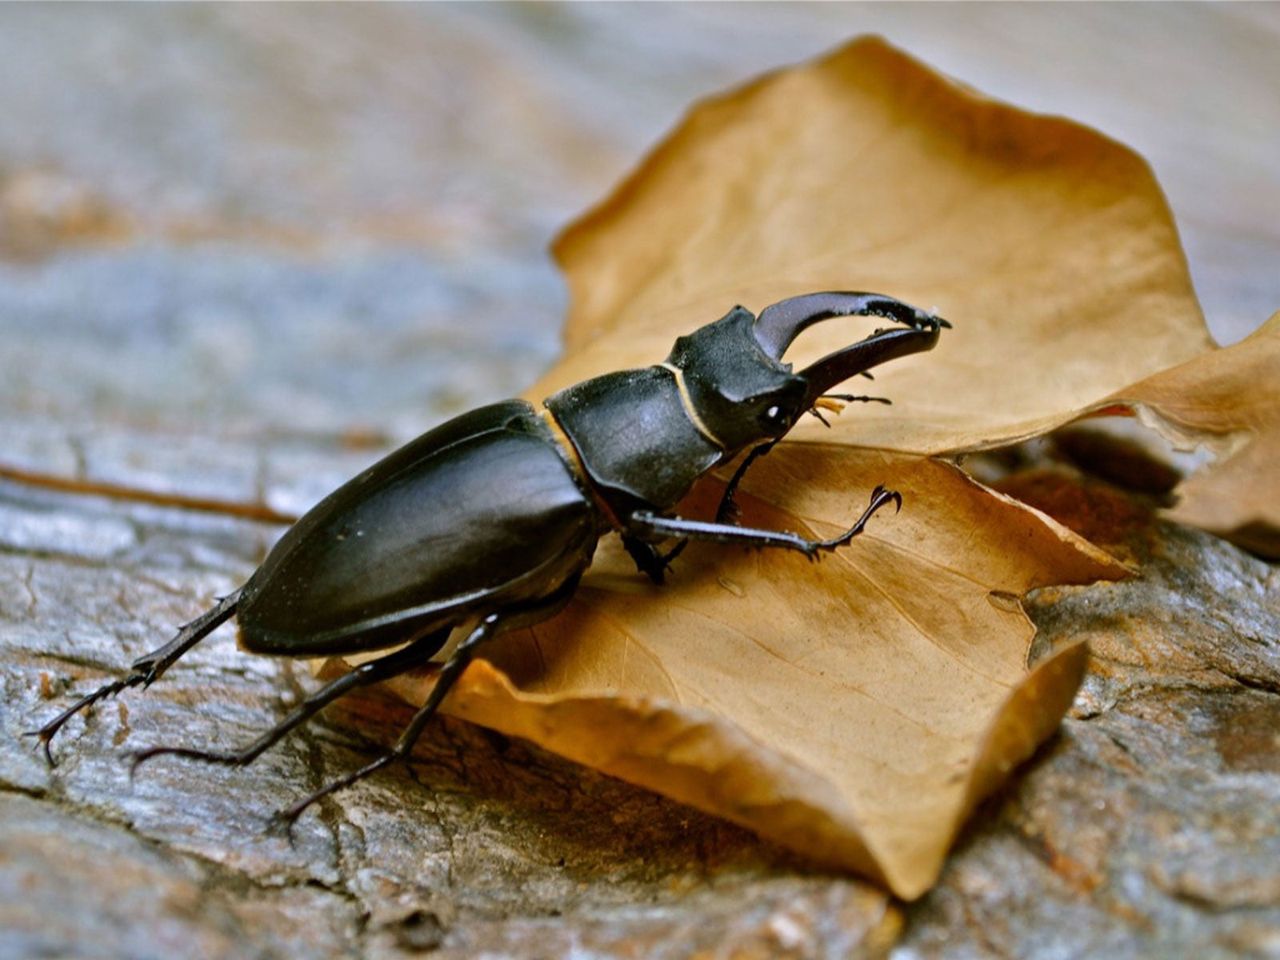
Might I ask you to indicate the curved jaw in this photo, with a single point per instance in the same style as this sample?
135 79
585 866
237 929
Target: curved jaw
880 347
778 326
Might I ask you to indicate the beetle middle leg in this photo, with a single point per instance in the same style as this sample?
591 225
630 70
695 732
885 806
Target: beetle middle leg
374 671
647 525
463 654
649 560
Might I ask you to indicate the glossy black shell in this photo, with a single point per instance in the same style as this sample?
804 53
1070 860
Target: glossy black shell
637 443
480 514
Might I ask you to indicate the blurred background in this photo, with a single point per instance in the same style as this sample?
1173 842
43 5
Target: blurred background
299 221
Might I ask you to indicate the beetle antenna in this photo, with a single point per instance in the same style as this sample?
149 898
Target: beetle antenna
851 398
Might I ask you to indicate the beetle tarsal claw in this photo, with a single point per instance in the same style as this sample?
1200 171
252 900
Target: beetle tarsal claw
880 496
280 824
45 740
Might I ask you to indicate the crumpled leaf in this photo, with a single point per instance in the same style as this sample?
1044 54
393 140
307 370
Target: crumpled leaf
858 709
1228 400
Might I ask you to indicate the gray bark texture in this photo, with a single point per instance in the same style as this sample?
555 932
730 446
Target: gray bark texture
245 250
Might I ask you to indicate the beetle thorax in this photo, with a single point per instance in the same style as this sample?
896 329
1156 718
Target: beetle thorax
635 438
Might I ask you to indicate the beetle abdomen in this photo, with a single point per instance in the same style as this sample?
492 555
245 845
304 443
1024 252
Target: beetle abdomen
482 512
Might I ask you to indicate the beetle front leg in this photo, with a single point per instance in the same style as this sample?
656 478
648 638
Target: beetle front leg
727 512
648 525
653 562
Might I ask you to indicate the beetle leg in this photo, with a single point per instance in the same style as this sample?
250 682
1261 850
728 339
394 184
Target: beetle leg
393 664
727 512
453 668
666 558
147 669
879 497
651 561
643 523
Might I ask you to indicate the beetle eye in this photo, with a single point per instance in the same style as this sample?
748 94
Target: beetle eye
774 417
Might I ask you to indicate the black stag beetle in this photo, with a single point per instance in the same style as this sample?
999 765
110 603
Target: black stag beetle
496 514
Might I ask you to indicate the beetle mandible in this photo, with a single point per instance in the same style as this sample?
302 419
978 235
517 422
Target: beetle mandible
496 513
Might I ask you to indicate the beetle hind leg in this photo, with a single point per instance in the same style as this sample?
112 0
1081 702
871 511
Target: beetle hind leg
453 668
374 671
147 669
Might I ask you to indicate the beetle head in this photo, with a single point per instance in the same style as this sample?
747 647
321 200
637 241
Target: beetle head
739 392
742 390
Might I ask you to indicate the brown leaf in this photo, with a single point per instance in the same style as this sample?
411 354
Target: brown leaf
854 710
1049 246
1228 400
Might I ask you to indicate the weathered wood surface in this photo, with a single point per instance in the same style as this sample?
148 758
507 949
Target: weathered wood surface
247 248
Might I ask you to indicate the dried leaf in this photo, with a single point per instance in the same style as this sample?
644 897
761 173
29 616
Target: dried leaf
854 710
1049 246
1228 400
